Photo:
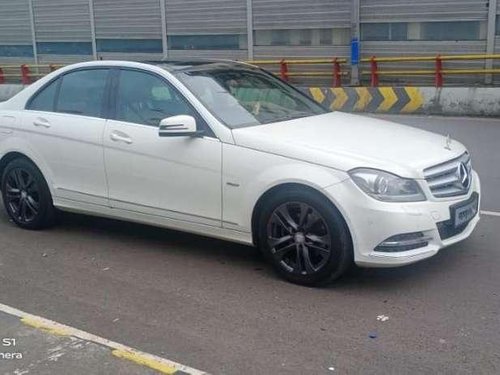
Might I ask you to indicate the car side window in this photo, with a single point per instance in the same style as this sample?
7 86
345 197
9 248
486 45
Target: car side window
82 92
146 99
45 98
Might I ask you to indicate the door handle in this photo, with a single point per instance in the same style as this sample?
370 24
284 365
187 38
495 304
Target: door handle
41 123
115 137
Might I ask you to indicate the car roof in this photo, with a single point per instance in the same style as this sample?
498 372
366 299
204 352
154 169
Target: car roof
183 65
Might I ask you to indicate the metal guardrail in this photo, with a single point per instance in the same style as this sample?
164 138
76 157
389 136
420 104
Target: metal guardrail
336 73
26 73
439 72
374 72
335 68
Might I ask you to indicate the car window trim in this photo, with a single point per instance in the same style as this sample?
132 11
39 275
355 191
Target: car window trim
39 91
116 86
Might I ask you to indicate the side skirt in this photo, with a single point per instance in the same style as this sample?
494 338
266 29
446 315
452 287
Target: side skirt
69 205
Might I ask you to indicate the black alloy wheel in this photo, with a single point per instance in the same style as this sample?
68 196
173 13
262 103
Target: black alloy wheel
304 237
299 238
22 195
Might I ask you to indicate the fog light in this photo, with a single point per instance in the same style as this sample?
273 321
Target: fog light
403 242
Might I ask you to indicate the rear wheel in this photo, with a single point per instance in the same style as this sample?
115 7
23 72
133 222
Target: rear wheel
304 237
26 195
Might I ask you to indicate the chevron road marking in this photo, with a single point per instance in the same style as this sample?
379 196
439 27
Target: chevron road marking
390 99
416 100
364 98
317 94
341 98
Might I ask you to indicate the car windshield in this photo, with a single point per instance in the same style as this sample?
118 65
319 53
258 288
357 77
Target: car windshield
242 97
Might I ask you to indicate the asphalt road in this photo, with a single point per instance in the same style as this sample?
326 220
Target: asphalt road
217 307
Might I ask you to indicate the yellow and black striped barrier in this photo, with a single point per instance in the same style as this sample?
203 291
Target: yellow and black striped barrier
370 99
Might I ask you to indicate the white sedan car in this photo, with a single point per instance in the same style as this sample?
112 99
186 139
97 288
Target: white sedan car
227 150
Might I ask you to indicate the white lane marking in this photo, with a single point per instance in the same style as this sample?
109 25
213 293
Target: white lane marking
490 213
74 332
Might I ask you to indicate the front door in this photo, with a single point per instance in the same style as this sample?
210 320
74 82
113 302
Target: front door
174 177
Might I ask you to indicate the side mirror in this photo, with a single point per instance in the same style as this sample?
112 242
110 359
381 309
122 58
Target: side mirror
179 126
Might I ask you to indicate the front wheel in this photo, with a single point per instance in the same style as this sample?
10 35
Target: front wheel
304 237
26 196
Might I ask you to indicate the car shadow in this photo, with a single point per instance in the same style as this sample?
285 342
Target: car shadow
247 258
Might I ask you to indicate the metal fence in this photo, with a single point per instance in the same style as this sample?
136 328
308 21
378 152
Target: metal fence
336 71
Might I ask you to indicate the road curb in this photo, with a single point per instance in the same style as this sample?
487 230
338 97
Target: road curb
121 351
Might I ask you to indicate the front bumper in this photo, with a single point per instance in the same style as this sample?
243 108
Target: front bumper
371 222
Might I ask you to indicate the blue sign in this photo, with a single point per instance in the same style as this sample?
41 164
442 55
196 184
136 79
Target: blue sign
355 51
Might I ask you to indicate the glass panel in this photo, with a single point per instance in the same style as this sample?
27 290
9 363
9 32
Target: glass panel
399 31
384 31
467 30
16 50
325 37
280 37
64 48
82 92
375 31
146 99
304 37
129 45
44 99
204 42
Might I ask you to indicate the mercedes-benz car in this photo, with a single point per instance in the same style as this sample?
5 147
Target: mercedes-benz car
228 150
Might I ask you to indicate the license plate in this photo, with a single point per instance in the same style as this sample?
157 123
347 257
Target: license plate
465 212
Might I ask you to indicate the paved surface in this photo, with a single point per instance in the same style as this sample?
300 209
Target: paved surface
41 353
217 307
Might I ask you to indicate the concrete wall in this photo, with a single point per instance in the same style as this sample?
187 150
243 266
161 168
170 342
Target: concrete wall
450 101
7 91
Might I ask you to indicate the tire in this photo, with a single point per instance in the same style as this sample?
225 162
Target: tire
26 195
311 245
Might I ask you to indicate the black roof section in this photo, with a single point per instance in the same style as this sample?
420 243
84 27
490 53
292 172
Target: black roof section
183 65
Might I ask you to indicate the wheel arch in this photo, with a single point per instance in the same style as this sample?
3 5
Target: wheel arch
287 187
7 158
12 155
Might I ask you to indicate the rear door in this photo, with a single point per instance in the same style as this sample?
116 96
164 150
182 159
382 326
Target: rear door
65 122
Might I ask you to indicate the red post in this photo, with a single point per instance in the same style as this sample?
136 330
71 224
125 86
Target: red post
337 80
284 70
374 71
439 80
2 78
25 75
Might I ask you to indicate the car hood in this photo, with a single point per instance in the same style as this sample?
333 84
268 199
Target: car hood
344 141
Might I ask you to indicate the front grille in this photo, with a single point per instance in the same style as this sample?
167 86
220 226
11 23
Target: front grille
450 178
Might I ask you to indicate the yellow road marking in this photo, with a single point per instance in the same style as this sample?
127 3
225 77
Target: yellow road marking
118 350
416 100
142 360
390 98
317 94
341 98
364 98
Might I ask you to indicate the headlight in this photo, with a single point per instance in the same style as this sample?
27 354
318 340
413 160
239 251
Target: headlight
386 186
